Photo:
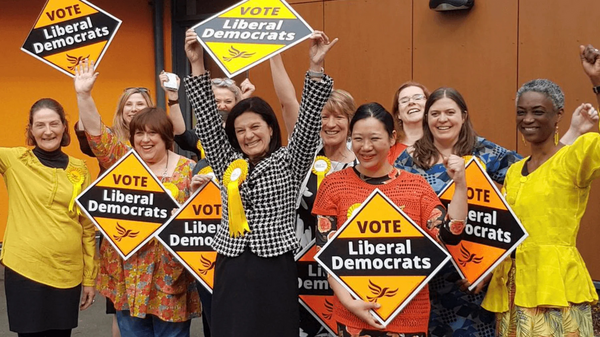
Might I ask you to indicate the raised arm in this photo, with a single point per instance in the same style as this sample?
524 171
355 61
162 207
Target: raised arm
247 88
583 120
590 61
174 109
284 88
317 88
89 118
219 151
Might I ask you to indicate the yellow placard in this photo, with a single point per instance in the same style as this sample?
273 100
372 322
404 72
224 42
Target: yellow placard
250 32
69 31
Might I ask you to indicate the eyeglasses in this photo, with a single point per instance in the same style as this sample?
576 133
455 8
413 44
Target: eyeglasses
406 99
222 82
138 89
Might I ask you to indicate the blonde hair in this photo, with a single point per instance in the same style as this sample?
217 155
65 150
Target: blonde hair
119 127
341 101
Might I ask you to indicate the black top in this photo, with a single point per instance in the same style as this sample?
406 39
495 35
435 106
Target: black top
53 159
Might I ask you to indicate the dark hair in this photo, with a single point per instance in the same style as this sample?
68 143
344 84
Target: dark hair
48 103
258 106
396 105
376 111
156 120
425 151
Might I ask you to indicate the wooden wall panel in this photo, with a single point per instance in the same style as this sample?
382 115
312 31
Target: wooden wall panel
548 48
295 60
373 55
475 52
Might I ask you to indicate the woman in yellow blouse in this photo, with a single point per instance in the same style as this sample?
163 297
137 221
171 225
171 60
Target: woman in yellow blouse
49 245
545 289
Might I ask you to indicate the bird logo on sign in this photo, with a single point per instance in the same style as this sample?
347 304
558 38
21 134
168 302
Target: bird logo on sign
75 61
468 257
379 292
207 264
124 233
234 53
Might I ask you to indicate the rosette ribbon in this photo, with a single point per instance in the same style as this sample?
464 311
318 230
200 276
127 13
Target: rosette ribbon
234 176
76 177
320 168
201 149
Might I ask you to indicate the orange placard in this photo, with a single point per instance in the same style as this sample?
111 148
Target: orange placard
492 231
380 255
69 31
314 292
250 32
128 204
188 235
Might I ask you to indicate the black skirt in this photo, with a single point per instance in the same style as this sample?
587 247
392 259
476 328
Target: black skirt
35 307
255 296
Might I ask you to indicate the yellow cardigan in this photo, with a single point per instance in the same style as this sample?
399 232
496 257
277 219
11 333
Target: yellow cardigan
550 202
44 241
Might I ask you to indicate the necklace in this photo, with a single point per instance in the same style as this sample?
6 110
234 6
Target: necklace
164 175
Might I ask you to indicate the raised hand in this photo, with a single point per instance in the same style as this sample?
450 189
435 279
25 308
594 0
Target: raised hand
319 47
584 119
590 60
194 52
247 88
85 77
455 166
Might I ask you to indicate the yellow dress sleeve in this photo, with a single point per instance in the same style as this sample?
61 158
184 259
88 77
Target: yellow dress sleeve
88 241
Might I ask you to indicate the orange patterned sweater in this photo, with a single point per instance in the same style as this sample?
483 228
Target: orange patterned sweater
342 189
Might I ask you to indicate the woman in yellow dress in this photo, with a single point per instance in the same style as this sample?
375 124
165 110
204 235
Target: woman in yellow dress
545 288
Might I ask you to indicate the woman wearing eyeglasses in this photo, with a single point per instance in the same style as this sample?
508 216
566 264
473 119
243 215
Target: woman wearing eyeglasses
152 292
407 109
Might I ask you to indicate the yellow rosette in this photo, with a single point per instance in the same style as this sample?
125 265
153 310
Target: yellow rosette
351 210
201 149
320 168
234 176
76 176
172 189
467 158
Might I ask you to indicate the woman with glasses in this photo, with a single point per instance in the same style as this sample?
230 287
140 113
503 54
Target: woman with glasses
151 291
407 109
255 288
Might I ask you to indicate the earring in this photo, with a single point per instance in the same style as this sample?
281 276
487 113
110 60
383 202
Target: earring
556 135
523 139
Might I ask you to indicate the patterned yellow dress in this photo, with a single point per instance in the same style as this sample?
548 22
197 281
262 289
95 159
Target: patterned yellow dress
152 281
546 289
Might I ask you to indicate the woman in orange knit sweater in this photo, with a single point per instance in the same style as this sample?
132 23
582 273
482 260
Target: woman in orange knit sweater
372 130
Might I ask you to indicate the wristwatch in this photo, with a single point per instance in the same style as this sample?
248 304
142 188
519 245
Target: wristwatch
173 102
596 90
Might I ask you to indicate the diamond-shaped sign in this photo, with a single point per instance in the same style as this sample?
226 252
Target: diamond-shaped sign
314 292
68 31
492 231
380 255
188 235
250 32
128 204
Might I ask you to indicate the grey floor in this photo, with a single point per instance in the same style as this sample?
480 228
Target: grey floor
93 322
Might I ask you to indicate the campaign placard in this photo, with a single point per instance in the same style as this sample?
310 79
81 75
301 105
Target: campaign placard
314 293
128 204
188 235
492 231
69 31
380 255
251 32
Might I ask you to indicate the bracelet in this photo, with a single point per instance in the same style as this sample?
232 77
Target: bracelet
173 102
596 90
316 74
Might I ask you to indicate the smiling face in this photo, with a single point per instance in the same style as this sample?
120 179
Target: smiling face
334 129
536 117
371 144
253 135
411 105
149 145
445 120
47 129
224 97
134 104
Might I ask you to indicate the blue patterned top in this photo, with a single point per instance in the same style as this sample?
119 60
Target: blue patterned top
453 312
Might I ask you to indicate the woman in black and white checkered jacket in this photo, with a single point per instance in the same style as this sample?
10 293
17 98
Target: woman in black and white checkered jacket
255 290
